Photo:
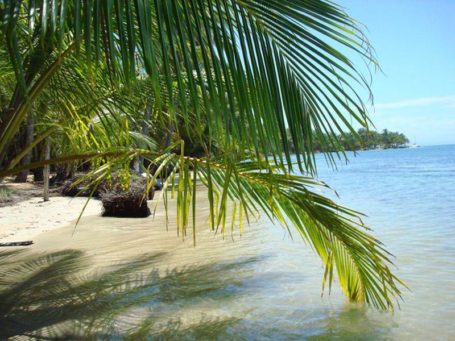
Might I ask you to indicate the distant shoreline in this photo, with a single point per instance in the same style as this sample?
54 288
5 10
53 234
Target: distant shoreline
412 146
368 149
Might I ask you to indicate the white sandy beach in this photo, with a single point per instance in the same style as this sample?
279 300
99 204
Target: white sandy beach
27 219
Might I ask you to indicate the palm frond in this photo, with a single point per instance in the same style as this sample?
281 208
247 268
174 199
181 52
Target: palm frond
237 190
336 233
258 66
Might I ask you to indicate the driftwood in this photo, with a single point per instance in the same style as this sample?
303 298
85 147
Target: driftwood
24 243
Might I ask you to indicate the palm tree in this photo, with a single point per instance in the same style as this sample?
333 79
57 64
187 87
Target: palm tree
233 75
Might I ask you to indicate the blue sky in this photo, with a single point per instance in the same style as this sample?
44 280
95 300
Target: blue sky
415 45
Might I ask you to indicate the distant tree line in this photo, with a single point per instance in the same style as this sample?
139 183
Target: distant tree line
364 140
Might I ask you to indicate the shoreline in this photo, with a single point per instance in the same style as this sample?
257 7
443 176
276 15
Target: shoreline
51 225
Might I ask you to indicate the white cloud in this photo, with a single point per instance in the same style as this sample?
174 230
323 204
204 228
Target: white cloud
446 101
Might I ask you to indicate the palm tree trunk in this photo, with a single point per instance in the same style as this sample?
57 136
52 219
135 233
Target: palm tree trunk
145 125
28 139
138 162
47 156
170 132
38 173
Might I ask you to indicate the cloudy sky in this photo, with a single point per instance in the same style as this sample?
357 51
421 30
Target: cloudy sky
415 45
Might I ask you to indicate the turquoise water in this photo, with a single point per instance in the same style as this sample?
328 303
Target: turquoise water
409 198
266 286
269 287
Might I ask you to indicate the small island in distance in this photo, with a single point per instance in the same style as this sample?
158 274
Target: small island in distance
365 140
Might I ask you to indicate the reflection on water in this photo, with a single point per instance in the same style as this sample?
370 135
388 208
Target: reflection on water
263 286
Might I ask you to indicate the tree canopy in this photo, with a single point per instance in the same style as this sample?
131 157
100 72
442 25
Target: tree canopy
364 139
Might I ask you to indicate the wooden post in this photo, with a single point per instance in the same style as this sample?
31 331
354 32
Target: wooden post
47 156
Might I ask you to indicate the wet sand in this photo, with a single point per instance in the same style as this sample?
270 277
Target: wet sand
52 227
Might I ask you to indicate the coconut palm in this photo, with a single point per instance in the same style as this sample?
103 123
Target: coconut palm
78 115
233 75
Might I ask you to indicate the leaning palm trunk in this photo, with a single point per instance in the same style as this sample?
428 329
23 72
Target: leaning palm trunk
233 75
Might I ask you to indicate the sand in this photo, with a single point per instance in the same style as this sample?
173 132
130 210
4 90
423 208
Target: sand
52 227
106 244
27 219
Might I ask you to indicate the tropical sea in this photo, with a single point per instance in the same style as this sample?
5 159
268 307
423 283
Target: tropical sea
408 196
267 286
274 290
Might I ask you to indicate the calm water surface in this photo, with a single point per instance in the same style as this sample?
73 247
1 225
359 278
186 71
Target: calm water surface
266 286
409 197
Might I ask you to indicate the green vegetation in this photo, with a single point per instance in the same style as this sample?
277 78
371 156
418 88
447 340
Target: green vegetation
121 86
364 139
373 140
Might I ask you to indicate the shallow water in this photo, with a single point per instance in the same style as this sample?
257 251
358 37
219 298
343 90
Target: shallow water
267 286
409 196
